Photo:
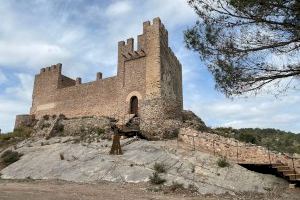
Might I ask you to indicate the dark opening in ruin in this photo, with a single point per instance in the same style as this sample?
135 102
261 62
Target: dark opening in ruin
267 169
134 105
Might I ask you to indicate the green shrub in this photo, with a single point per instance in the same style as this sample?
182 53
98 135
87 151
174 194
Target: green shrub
192 188
46 117
222 162
60 128
273 139
176 186
193 169
100 131
159 168
61 116
156 179
19 133
248 138
47 137
9 157
82 129
46 125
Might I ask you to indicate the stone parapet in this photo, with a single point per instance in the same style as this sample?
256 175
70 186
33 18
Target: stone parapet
236 151
24 121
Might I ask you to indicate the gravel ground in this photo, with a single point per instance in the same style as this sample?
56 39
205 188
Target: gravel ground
62 190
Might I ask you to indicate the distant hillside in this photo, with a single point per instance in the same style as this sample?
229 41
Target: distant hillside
275 139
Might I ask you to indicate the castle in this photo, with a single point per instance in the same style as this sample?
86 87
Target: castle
148 84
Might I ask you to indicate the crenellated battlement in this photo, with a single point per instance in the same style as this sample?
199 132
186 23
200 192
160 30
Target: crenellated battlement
126 49
156 22
53 68
134 55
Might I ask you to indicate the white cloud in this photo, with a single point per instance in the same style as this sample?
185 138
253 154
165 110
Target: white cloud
2 77
175 12
33 54
15 100
9 108
23 91
262 112
118 8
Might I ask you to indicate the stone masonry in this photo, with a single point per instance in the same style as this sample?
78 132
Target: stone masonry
148 83
236 151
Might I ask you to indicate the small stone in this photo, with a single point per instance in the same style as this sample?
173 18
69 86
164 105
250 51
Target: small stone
292 186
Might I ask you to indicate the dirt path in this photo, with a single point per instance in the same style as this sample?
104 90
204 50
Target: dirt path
60 190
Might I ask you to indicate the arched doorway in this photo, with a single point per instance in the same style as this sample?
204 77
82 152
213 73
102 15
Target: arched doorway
134 105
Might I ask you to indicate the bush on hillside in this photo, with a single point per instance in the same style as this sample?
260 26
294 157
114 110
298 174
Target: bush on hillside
273 139
9 157
222 162
248 138
176 186
19 133
156 179
159 167
46 117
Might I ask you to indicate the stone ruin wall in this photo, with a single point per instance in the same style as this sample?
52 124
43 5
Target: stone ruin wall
233 149
24 120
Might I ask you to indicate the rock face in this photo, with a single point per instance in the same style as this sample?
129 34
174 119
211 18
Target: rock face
96 126
63 158
191 120
89 128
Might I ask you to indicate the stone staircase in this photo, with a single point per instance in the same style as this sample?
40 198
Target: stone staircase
128 125
287 172
125 119
46 128
244 154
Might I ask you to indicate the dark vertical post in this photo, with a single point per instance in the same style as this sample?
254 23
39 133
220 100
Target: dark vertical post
177 142
294 167
194 143
237 151
269 155
214 147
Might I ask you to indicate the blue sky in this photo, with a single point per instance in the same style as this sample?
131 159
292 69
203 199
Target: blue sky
83 35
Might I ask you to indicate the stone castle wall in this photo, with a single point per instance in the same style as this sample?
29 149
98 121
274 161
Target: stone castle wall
104 97
151 72
24 120
239 152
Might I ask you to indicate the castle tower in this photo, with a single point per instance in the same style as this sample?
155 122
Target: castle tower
163 100
45 82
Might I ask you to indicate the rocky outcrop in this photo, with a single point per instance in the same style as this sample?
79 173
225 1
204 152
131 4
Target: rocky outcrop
65 159
87 128
191 120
